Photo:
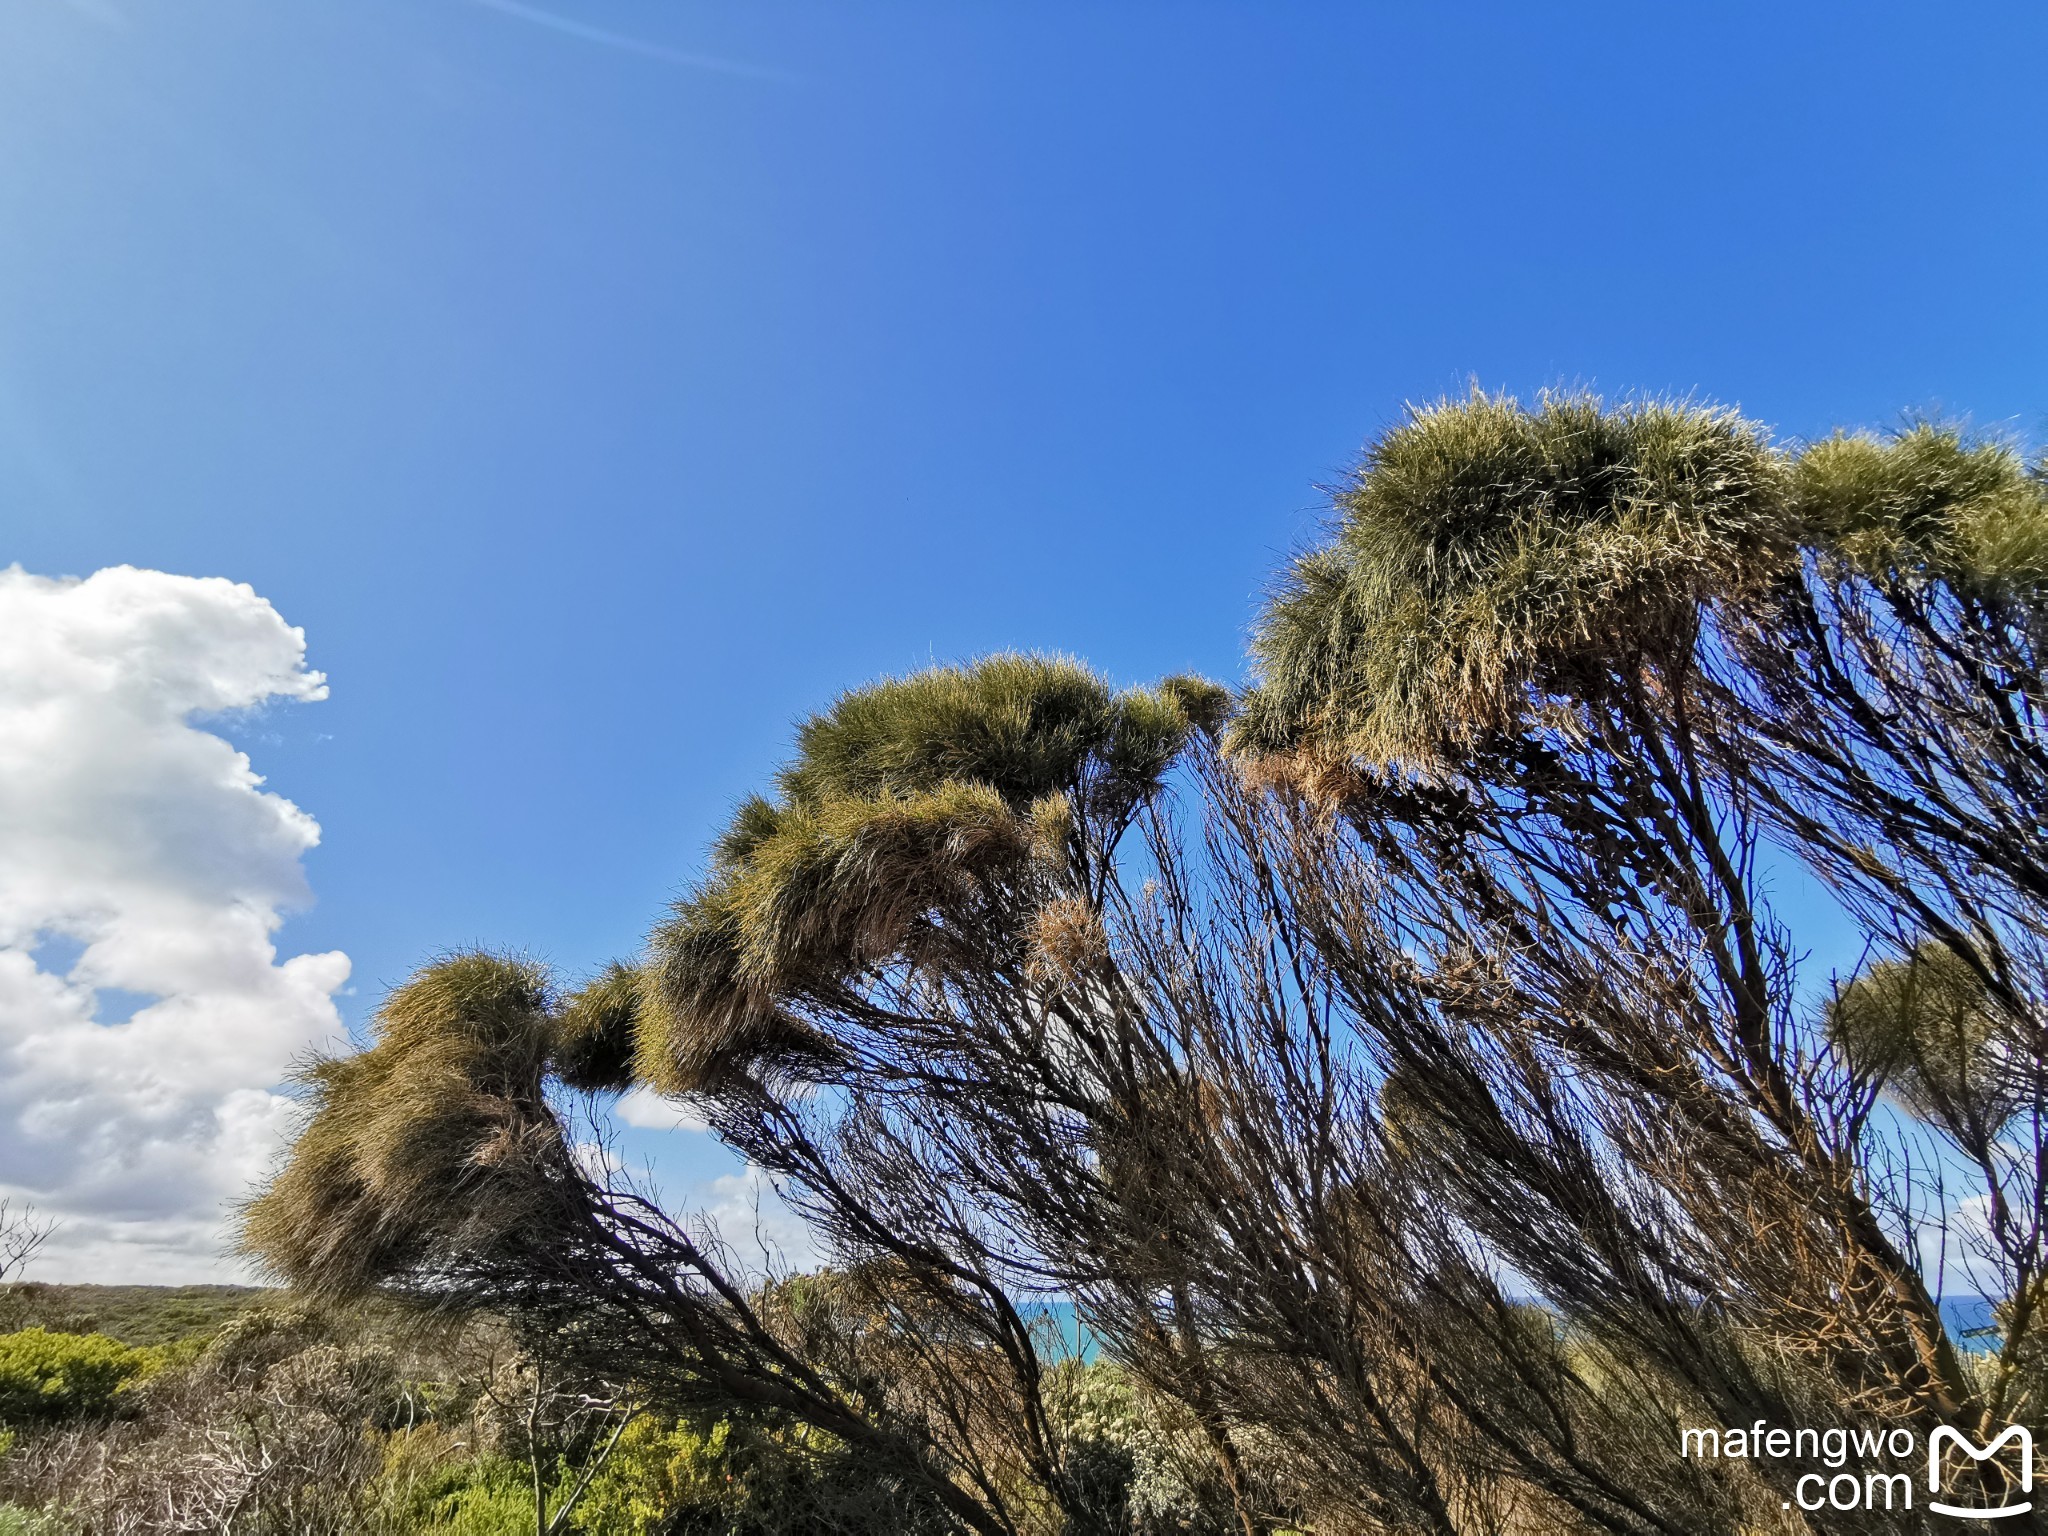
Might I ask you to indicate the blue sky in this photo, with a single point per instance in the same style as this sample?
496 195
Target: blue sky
604 384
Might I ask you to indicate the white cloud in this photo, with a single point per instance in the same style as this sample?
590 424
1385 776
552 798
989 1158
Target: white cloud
645 1110
139 852
748 1214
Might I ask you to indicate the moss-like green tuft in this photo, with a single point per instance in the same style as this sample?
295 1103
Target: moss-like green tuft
1203 704
907 803
431 1141
1491 559
596 1030
1927 1026
752 824
1020 724
1487 548
1927 501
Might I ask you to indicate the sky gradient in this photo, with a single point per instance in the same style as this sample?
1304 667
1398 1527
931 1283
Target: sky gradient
603 386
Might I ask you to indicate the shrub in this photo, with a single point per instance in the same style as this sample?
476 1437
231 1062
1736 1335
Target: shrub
48 1378
732 1478
488 1497
657 1470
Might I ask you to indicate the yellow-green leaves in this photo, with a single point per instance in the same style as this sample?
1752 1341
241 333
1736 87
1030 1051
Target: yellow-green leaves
1492 560
914 810
1926 1025
59 1377
428 1131
1488 550
1927 501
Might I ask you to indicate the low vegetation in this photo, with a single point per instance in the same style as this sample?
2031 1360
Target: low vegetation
134 1314
276 1419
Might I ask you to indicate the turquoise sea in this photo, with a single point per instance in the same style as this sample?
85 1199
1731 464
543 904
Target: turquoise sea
1970 1319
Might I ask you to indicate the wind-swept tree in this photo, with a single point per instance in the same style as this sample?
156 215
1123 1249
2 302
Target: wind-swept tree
801 994
1572 680
1402 1065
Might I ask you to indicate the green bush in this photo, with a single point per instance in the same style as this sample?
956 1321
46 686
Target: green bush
451 1494
657 1470
485 1498
738 1479
53 1377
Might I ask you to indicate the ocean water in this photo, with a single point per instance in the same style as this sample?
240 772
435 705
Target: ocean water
1971 1324
1060 1331
1971 1315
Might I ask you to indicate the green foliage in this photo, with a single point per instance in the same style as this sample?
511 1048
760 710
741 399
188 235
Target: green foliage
1486 547
421 1137
60 1377
482 1496
907 799
1927 1026
596 1031
657 1470
1926 501
1492 559
433 1484
728 1479
18 1521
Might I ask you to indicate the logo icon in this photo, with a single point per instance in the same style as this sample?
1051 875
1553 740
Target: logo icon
1945 1436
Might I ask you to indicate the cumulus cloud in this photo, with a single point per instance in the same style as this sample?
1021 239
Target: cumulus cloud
748 1214
645 1110
145 1016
